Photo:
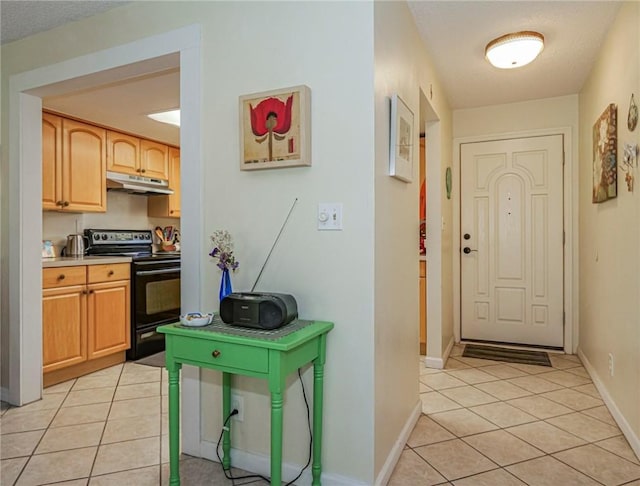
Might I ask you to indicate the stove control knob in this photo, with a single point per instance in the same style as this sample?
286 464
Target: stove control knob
104 236
147 236
96 236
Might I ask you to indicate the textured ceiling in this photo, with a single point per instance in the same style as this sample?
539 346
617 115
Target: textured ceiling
456 33
25 17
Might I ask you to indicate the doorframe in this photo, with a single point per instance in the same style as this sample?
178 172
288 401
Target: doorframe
25 203
570 222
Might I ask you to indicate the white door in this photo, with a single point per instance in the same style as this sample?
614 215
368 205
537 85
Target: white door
511 241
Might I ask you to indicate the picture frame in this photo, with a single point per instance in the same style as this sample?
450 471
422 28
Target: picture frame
401 140
605 147
275 129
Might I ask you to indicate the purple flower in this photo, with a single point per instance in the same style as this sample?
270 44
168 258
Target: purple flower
223 251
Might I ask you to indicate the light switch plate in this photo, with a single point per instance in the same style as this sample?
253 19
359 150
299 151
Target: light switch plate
330 216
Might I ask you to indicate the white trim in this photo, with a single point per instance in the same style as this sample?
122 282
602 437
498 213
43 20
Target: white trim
25 203
570 221
438 363
398 447
261 464
627 430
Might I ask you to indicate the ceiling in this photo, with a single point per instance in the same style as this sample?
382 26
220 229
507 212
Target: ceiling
455 33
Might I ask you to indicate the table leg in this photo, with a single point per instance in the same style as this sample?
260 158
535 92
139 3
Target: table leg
276 438
174 423
318 396
226 409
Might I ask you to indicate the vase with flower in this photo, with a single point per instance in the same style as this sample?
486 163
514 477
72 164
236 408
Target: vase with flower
223 252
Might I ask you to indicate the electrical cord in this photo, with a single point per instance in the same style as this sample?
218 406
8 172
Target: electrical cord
227 472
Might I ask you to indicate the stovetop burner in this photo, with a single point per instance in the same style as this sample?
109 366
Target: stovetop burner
137 244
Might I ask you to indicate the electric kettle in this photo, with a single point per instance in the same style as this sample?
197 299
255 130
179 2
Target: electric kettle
76 245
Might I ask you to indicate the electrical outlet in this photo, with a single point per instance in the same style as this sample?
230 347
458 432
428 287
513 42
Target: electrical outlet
610 364
237 402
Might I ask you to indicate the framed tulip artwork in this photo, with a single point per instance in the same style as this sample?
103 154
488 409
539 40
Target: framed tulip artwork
401 140
275 129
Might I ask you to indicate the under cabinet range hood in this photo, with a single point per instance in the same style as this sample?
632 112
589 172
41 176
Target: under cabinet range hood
134 184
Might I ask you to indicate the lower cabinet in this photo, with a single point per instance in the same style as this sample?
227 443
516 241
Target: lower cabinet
85 319
423 308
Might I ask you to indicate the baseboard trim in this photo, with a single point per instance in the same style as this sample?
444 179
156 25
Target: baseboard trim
627 431
438 363
394 455
261 464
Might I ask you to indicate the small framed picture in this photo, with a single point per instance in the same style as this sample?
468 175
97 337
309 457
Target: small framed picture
48 251
401 140
275 129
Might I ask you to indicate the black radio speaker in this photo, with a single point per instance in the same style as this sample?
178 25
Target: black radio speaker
258 310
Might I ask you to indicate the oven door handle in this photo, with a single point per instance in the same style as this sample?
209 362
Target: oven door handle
156 262
158 272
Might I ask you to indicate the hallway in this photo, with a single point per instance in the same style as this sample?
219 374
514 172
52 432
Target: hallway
493 423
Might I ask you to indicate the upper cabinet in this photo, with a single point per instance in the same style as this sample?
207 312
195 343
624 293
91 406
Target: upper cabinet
123 153
135 156
74 165
168 206
154 159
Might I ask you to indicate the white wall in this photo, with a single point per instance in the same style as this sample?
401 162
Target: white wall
403 67
247 48
610 233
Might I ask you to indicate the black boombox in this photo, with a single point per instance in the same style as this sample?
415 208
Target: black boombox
258 310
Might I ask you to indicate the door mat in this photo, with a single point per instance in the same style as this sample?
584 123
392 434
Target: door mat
522 356
153 360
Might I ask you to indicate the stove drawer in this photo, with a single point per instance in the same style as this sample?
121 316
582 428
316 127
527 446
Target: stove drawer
109 272
222 354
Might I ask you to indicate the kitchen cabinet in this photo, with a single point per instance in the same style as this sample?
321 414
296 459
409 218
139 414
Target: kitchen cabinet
123 153
423 307
154 159
85 319
74 165
168 206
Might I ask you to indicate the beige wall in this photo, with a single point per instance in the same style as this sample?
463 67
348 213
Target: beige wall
610 231
248 48
403 67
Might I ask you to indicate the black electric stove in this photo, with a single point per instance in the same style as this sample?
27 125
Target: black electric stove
155 284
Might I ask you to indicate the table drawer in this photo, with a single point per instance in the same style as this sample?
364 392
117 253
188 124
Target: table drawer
63 276
228 355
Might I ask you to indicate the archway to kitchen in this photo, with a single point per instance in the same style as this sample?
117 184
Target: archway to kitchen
180 47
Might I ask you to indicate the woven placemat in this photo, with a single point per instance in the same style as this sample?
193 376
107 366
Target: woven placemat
218 326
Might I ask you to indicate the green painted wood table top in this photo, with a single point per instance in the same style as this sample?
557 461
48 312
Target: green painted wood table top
261 356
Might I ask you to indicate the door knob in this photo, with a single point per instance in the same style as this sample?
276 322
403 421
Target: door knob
466 236
468 250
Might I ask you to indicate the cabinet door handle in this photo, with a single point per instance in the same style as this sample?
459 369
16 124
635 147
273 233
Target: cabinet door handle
171 212
143 171
215 353
91 291
65 204
59 203
110 274
85 292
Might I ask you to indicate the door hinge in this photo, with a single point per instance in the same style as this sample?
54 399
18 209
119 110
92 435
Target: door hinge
564 237
564 318
563 157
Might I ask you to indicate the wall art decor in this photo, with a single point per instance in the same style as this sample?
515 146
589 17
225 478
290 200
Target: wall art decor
632 117
275 129
629 163
605 142
401 140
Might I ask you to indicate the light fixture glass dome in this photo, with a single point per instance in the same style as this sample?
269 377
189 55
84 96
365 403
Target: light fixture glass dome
514 50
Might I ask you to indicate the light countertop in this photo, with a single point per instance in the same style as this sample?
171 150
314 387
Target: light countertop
87 260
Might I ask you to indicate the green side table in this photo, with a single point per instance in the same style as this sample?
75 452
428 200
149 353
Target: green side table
271 359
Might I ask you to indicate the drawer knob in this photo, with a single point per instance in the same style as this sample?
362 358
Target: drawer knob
110 274
61 276
215 354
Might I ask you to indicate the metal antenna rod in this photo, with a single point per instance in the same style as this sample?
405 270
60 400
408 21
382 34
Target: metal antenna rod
274 244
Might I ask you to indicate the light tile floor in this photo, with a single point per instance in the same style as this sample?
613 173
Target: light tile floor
483 423
493 423
106 428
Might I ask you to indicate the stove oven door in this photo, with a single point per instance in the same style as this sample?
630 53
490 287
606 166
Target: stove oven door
156 301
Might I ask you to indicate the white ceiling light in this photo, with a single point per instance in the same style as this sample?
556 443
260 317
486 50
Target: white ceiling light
514 50
172 117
